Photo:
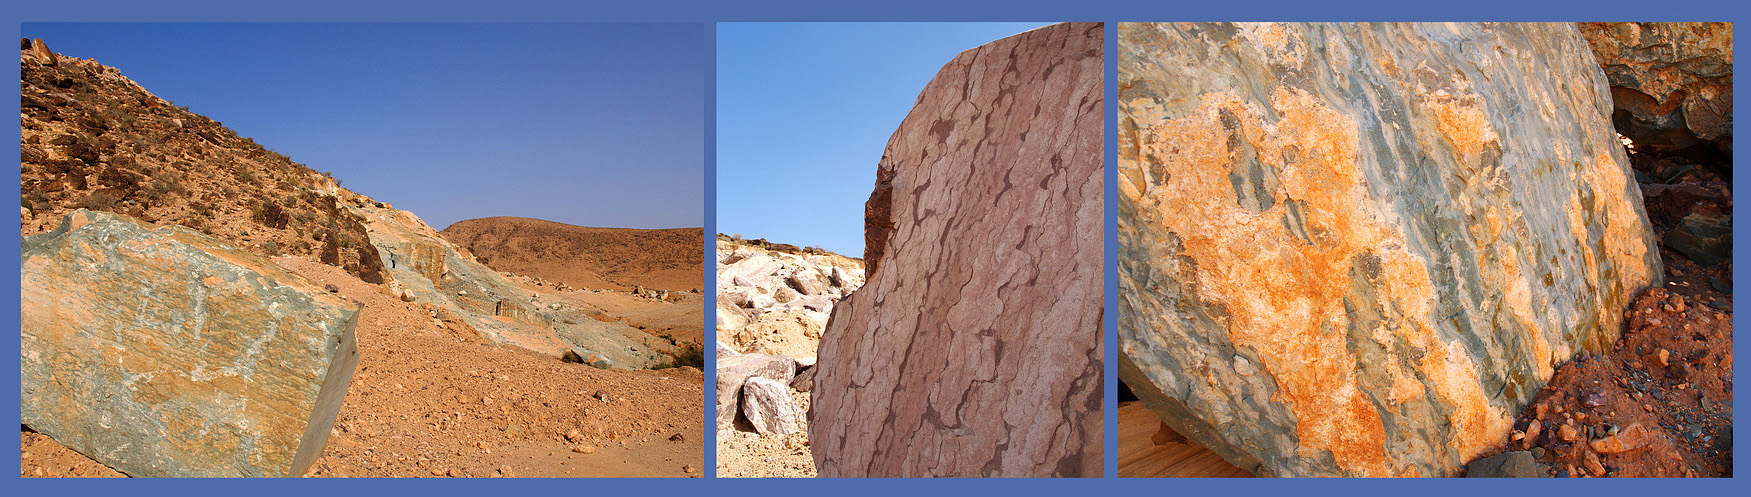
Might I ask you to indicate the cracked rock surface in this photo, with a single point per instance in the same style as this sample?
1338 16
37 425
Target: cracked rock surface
974 347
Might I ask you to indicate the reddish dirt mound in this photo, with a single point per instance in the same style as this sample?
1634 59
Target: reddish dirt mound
581 257
1660 404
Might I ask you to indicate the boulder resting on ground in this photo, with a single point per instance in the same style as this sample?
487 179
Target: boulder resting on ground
1357 249
160 351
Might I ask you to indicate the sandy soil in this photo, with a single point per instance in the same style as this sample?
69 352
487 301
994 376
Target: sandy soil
681 317
741 453
433 399
582 257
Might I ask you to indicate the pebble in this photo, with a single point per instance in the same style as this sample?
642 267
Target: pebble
1593 464
687 468
584 449
1568 433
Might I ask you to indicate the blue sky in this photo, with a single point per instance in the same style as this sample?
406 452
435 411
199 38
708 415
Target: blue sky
804 111
586 124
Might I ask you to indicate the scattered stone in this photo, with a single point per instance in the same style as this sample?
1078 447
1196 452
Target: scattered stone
1629 438
770 408
1593 465
733 372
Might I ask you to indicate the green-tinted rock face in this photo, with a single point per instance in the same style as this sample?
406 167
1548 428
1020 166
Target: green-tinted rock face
1358 249
164 352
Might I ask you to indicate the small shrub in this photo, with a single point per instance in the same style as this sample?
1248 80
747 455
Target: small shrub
100 201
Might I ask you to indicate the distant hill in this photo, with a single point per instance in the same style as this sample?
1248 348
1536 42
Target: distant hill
614 258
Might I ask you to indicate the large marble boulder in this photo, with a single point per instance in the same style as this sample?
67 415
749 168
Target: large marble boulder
159 351
1360 249
974 348
1672 82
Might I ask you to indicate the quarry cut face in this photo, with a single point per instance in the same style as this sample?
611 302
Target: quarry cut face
973 348
1359 249
160 351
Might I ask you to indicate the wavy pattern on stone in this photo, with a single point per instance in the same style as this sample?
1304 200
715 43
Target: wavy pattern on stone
1358 249
974 347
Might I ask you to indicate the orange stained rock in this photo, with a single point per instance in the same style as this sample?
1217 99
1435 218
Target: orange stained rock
1283 294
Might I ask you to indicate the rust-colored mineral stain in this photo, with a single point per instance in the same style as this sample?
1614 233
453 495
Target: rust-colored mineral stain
1283 293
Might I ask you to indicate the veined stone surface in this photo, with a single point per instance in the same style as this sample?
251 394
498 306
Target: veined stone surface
1359 249
164 352
974 348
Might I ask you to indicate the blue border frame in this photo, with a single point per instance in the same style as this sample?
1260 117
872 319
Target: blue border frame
895 10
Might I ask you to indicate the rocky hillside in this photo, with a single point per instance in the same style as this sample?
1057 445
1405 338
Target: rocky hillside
156 221
582 257
91 138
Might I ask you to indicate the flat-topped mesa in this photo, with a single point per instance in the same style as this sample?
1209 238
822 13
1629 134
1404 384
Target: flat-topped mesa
160 351
973 348
1360 249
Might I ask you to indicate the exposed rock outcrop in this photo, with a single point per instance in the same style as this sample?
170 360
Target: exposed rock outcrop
775 299
974 348
430 269
160 351
1672 82
1359 249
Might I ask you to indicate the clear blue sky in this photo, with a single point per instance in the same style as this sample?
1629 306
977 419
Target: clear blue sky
586 124
804 111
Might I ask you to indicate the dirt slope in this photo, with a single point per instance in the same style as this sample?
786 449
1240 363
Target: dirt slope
583 257
432 398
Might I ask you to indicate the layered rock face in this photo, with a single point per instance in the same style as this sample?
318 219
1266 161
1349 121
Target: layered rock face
1672 82
427 268
160 351
974 349
1359 249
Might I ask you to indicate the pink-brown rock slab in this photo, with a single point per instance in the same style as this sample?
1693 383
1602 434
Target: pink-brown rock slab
974 347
